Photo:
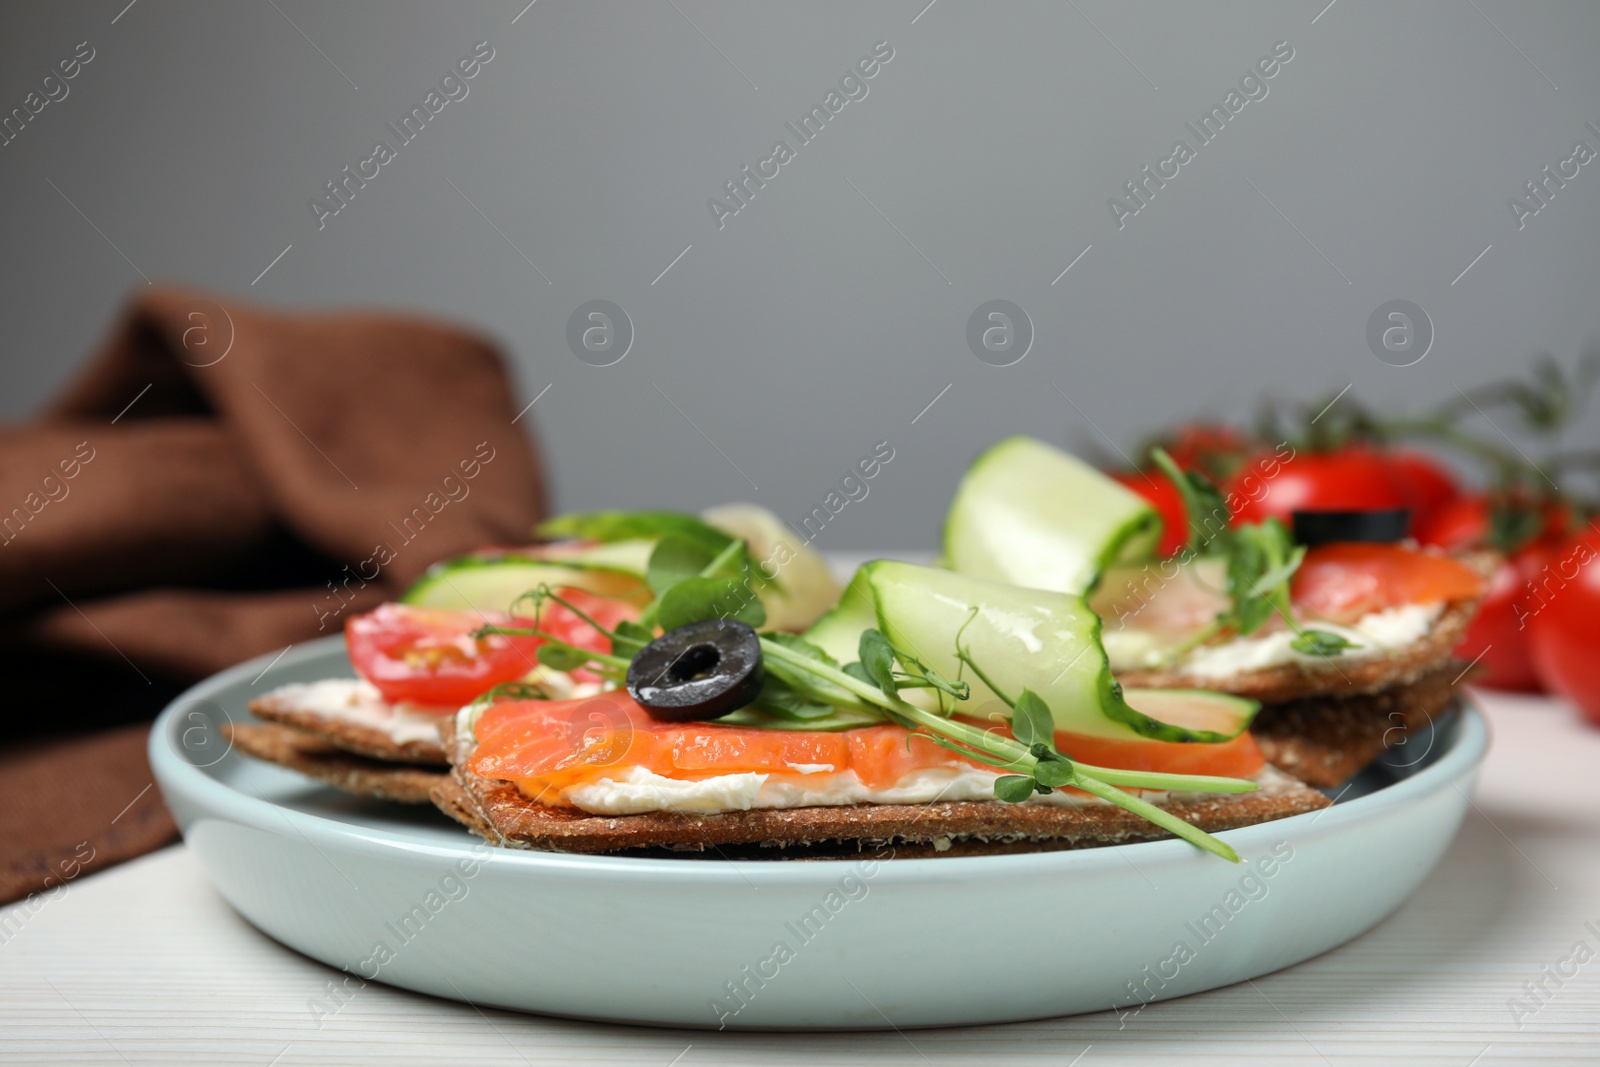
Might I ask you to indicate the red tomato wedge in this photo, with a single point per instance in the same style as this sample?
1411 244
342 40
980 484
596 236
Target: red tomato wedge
1237 758
430 656
1342 582
546 746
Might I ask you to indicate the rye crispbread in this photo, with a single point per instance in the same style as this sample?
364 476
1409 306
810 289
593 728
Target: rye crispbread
320 759
1324 740
502 815
1339 675
1333 677
280 706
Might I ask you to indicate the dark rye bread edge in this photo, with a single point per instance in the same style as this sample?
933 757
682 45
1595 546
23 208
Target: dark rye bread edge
502 815
1335 677
1324 740
353 737
316 758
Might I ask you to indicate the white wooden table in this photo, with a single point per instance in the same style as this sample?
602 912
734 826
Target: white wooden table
146 964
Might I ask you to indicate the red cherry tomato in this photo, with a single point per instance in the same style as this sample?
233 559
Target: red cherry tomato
1563 621
1497 637
1158 489
1464 523
1351 479
1427 484
430 656
1342 582
1215 449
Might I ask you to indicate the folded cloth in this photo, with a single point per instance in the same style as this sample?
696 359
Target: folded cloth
221 481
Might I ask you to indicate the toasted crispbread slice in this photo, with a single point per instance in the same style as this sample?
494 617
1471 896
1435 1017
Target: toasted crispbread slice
317 758
1323 740
502 815
1338 676
288 706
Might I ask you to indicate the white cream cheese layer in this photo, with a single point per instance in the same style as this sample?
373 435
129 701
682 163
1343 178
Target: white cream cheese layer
355 700
637 791
1373 634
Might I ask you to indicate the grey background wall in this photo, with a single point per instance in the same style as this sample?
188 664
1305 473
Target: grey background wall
827 314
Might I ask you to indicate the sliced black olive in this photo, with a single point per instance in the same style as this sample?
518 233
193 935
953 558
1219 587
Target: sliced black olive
1312 528
697 672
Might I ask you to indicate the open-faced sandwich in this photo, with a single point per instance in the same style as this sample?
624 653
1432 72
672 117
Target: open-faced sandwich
1342 630
659 683
418 661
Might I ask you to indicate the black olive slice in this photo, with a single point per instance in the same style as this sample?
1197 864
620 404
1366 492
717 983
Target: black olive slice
1312 528
700 671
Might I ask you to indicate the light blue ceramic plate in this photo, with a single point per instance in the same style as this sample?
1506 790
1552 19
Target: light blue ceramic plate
407 897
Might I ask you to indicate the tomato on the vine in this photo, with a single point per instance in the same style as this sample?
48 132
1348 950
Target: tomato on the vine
1215 449
1563 621
1162 495
1496 638
1355 478
1427 485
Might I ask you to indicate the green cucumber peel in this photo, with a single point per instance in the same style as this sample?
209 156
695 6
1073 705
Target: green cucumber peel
1027 513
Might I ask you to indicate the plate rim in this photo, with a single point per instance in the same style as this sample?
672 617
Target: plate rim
174 773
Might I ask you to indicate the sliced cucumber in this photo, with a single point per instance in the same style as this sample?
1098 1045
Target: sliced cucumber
1030 514
805 586
628 557
838 633
1198 710
491 582
1027 639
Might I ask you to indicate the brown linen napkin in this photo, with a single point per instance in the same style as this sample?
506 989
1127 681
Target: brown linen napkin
219 482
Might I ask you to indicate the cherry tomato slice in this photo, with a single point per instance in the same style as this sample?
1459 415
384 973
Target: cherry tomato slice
429 656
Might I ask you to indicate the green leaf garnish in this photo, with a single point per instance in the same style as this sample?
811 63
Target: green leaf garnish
1031 722
608 526
1261 559
697 598
877 660
1203 503
1320 643
1013 788
629 637
676 557
1055 773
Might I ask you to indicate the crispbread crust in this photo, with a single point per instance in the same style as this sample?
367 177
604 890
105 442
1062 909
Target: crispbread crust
500 813
351 736
1333 677
1323 740
320 759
